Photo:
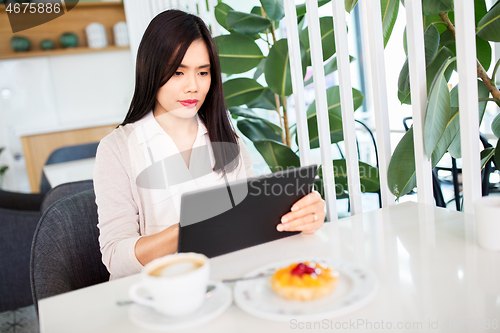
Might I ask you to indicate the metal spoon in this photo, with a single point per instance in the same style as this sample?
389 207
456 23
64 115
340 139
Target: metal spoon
210 288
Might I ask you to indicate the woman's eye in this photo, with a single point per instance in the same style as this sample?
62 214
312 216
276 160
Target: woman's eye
204 73
178 73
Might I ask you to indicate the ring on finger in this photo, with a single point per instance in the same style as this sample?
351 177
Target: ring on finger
315 217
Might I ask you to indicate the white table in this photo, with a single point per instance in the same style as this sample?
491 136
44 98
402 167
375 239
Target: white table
67 172
431 272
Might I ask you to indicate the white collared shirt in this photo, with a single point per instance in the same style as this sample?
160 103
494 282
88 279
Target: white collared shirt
158 148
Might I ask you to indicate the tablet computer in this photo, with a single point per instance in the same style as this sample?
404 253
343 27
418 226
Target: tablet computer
231 217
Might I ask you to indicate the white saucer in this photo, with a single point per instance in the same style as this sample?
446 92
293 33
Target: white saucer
214 305
356 287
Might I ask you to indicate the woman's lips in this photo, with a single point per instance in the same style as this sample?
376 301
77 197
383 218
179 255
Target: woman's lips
189 103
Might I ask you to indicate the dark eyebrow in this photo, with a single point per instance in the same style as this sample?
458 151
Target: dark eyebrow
203 66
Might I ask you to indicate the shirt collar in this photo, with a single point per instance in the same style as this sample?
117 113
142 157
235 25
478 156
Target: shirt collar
147 127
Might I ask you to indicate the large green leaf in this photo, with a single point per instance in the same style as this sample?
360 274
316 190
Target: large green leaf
495 126
489 26
250 114
390 10
277 155
368 175
455 148
248 24
265 101
401 177
350 4
497 153
431 42
257 130
237 53
277 69
327 38
483 48
480 10
437 63
486 155
260 69
301 9
438 111
436 7
334 115
274 9
241 91
221 11
330 67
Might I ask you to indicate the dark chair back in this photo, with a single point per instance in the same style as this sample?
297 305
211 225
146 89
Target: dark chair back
65 190
66 154
65 254
21 201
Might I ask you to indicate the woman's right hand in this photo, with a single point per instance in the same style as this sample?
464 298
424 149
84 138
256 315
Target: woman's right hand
158 245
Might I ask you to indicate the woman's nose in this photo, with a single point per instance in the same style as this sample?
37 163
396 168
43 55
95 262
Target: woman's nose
191 83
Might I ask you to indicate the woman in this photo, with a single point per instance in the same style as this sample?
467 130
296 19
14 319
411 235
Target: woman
178 108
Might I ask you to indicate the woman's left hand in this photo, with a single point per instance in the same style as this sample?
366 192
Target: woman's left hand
307 215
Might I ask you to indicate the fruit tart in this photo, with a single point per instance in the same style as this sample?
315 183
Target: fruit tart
304 281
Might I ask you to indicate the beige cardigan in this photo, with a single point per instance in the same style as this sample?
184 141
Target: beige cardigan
125 209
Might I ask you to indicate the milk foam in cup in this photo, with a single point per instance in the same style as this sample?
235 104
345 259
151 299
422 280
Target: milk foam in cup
174 285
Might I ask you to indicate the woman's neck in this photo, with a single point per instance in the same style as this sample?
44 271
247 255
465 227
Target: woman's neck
177 127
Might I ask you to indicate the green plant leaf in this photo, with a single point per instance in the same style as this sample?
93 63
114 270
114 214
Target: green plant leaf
250 114
401 177
489 26
330 67
486 155
436 7
368 175
265 101
247 24
497 153
390 9
301 9
405 43
437 112
480 10
495 126
277 155
437 63
431 41
327 38
455 148
221 11
277 69
238 53
483 49
260 69
350 4
335 115
274 9
241 91
255 130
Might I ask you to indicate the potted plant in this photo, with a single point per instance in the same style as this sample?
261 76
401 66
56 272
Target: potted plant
239 53
441 124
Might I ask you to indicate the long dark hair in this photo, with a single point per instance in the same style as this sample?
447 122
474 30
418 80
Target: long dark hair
160 53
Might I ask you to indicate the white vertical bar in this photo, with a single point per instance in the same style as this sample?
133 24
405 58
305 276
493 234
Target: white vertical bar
372 24
213 21
418 83
468 97
346 102
138 14
192 7
297 82
321 108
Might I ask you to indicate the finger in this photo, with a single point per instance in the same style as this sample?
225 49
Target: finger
310 209
302 223
306 200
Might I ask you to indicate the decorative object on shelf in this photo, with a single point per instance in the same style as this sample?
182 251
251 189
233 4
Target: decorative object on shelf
68 39
3 169
121 34
96 35
20 44
47 44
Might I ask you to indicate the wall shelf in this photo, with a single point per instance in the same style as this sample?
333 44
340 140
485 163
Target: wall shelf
107 13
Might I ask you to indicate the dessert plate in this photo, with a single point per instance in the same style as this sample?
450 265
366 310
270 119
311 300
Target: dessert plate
356 287
214 305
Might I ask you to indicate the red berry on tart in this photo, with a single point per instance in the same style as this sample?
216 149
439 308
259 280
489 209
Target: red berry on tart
304 281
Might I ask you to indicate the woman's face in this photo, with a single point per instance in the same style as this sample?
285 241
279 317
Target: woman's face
184 93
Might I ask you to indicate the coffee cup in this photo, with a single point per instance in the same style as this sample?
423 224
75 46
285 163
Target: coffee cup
487 215
174 285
